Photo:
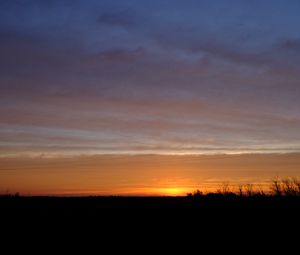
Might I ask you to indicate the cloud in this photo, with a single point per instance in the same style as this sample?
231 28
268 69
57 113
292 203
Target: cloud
290 44
157 75
219 51
125 19
279 54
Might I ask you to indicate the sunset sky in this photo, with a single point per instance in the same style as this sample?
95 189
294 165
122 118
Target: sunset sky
147 97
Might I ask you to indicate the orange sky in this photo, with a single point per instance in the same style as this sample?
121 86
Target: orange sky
86 78
140 175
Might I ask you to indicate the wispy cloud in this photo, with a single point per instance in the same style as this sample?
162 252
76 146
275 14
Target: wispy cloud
124 19
140 76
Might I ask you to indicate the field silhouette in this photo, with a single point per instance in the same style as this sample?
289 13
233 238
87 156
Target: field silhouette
224 216
242 202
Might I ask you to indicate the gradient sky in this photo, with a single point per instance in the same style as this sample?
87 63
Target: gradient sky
149 77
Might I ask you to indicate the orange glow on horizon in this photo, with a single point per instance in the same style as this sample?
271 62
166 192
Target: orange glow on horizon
149 175
169 191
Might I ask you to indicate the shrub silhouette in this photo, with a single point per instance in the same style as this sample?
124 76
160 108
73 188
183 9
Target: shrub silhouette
224 189
278 187
249 190
285 187
241 190
197 193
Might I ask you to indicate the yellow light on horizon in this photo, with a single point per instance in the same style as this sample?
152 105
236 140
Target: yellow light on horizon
172 191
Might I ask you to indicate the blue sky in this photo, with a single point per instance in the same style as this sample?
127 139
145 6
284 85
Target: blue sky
182 77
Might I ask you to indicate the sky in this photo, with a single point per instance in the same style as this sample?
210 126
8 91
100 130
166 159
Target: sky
100 77
140 175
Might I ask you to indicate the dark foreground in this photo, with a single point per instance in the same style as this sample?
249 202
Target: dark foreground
205 209
141 218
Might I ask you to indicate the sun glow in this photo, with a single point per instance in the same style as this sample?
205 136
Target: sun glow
173 191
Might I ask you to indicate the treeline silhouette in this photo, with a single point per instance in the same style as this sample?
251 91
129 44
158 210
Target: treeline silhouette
237 207
288 187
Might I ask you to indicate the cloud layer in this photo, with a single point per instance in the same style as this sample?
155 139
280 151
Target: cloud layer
140 77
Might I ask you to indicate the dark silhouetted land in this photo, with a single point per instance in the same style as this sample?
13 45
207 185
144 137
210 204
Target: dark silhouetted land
152 221
211 207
